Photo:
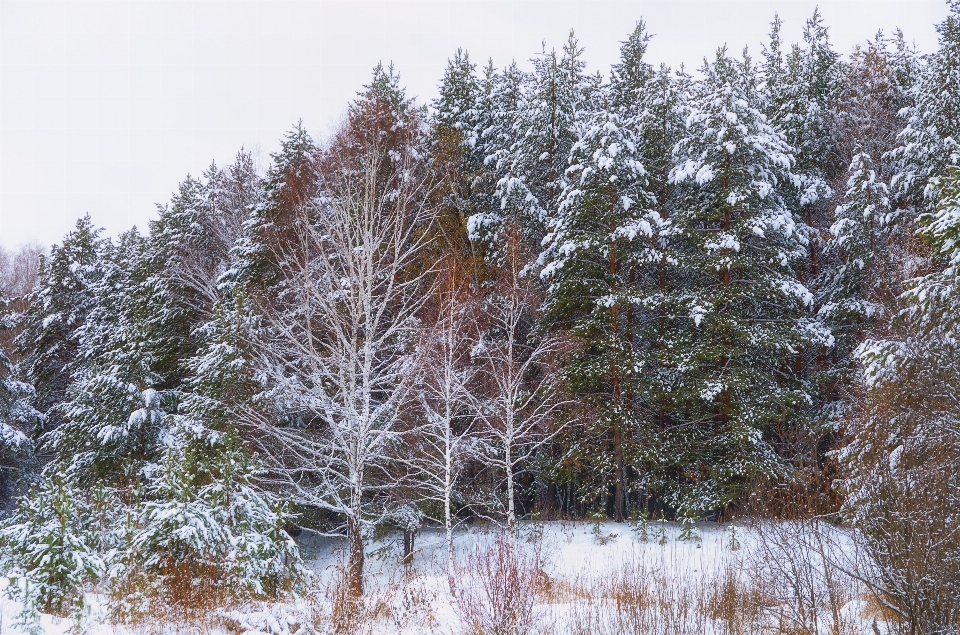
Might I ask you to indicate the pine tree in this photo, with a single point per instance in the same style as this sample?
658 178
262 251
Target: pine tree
459 117
656 103
854 293
748 317
502 93
860 278
542 132
50 548
289 185
601 236
204 528
799 93
458 109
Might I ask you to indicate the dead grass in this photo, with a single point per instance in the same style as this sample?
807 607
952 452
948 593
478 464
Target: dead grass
648 597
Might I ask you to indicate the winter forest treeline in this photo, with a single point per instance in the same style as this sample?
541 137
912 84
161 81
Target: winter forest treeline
545 294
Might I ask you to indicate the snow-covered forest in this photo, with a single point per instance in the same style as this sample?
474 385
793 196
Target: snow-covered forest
691 305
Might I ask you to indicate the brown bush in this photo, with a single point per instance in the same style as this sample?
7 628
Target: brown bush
504 583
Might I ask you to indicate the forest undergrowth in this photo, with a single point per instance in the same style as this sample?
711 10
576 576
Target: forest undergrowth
778 578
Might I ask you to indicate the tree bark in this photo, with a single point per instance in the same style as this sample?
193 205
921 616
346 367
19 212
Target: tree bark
356 556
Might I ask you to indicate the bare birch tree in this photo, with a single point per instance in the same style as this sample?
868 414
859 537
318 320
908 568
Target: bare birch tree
342 332
523 393
448 399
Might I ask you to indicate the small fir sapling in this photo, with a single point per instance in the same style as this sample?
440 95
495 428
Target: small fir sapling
661 532
639 523
689 529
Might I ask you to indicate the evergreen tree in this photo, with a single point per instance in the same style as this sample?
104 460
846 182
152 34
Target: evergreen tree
460 116
114 414
748 317
204 528
854 292
658 114
51 545
930 136
273 215
865 115
226 392
600 235
188 250
56 312
458 108
502 93
799 93
542 116
17 419
603 235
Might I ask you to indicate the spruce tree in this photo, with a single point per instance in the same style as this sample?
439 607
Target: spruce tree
933 120
206 527
114 413
56 312
188 250
225 393
18 419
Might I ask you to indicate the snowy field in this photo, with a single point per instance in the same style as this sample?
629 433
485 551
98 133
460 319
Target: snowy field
556 577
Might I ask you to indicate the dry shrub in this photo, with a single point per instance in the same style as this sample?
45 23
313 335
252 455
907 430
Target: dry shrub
903 458
800 566
393 600
911 542
353 614
736 600
188 598
801 553
503 585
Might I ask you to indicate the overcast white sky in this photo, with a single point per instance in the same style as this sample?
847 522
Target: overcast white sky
106 106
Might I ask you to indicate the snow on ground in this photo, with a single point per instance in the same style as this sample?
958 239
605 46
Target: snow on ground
417 600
